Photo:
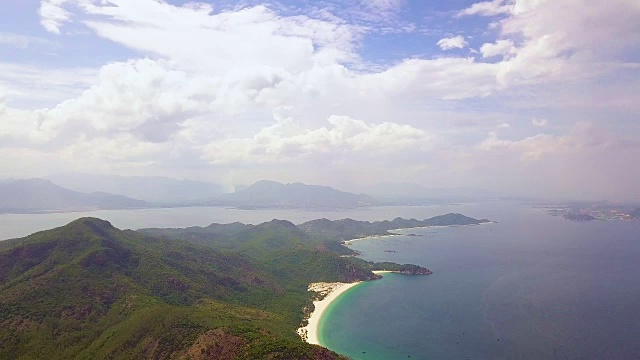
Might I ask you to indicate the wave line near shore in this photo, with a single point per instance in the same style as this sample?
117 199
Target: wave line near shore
328 292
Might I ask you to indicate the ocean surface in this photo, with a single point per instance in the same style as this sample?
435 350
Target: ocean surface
532 286
18 225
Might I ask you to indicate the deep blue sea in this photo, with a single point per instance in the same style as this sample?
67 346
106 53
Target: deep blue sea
532 286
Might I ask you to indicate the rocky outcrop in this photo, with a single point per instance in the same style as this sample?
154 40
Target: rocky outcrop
416 271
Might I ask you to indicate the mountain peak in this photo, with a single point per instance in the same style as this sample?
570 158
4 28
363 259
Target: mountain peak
272 193
93 222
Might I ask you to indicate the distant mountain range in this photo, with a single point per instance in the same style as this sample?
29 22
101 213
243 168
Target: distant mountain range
147 188
36 195
77 192
297 195
40 195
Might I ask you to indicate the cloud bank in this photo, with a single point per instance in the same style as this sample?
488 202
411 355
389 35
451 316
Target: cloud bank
258 90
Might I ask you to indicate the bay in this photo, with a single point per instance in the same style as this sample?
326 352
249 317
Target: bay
531 286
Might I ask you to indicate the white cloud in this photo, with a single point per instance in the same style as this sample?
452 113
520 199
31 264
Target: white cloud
588 163
287 141
539 122
500 47
382 9
53 15
26 86
207 82
456 42
489 8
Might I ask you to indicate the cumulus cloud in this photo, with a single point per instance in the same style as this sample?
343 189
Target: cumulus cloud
500 47
488 8
287 141
456 42
207 81
53 15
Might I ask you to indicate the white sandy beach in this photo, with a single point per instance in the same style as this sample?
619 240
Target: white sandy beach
381 271
330 291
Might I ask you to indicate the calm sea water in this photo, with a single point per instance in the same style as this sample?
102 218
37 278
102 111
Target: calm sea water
532 286
17 225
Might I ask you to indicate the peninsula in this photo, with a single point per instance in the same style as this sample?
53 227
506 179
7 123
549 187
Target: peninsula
221 291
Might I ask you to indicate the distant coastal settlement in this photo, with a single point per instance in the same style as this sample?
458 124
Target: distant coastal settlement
596 212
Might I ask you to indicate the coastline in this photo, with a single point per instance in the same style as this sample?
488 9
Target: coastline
329 292
392 234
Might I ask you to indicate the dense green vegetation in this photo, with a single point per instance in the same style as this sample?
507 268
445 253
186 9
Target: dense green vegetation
347 229
89 291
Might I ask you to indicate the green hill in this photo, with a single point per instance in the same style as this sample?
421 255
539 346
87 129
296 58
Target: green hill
90 291
280 248
347 229
226 291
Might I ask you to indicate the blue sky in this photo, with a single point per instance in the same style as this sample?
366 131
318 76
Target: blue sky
534 97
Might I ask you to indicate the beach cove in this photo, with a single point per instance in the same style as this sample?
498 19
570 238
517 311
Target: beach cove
524 288
327 293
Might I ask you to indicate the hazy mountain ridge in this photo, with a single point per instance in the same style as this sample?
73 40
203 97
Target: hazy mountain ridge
36 195
147 188
267 193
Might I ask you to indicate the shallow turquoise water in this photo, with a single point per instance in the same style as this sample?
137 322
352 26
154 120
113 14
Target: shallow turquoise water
532 286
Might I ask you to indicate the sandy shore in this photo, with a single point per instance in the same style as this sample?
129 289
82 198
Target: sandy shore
381 271
392 234
328 293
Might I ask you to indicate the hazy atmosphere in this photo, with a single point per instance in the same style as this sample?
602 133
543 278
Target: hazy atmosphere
526 97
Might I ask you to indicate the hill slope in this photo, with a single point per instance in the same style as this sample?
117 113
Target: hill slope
34 195
347 229
89 290
279 247
274 194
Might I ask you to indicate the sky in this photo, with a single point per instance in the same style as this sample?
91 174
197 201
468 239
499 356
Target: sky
525 97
